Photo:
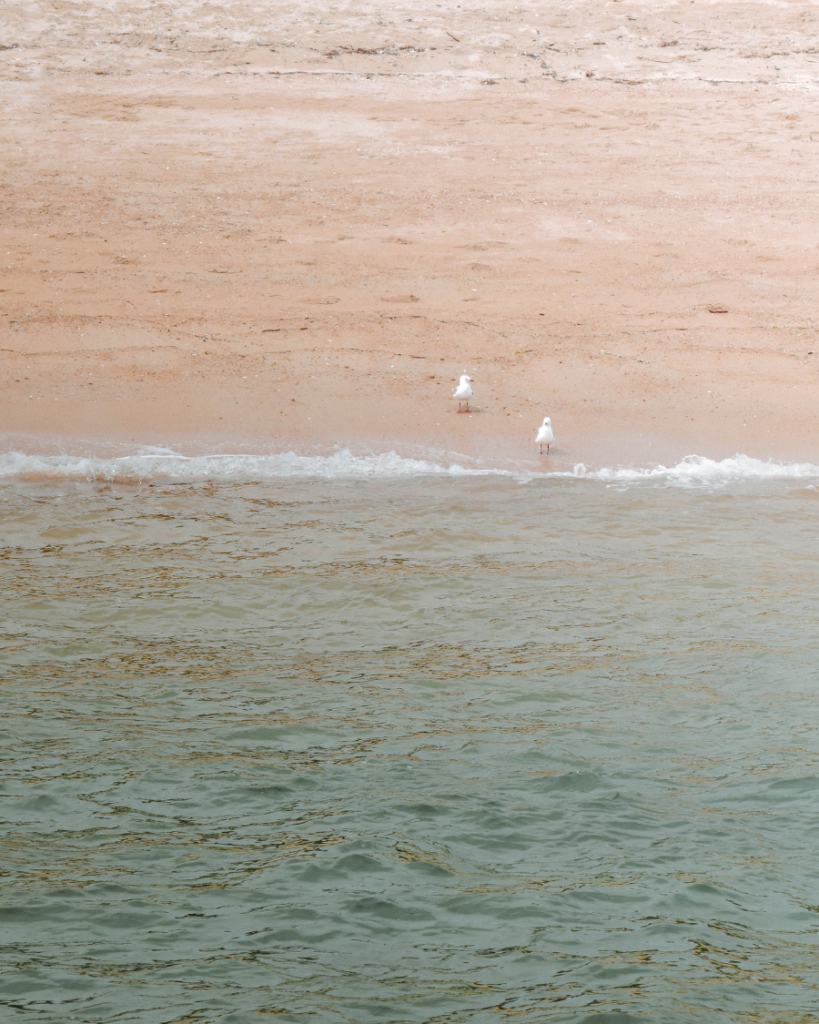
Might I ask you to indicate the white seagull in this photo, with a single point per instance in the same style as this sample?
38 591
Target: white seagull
545 434
463 392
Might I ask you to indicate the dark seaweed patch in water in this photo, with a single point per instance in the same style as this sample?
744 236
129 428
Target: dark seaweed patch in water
613 1018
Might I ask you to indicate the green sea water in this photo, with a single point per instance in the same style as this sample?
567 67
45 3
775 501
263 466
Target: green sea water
422 749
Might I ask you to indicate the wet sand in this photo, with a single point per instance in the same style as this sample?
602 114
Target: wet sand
299 229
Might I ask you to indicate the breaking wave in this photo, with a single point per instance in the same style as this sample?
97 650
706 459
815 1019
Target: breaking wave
696 470
168 466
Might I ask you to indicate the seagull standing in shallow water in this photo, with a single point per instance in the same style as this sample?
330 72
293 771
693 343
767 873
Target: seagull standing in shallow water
463 392
545 434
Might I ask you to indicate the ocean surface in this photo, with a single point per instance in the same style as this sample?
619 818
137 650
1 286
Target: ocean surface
357 740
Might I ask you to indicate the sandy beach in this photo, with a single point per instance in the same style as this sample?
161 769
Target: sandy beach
298 229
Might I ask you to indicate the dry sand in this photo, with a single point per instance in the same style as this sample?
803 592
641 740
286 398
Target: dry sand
227 225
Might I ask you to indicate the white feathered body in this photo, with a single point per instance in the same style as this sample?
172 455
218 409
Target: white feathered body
463 392
545 434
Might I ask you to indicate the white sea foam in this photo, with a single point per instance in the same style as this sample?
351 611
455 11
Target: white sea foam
164 464
696 470
152 464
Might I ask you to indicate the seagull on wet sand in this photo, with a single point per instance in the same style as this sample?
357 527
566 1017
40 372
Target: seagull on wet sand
463 392
545 434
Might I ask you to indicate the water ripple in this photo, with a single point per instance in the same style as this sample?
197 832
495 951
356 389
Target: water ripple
459 752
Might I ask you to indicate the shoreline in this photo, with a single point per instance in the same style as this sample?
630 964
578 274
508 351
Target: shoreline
37 457
373 408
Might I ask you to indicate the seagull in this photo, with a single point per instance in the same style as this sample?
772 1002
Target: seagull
463 392
545 434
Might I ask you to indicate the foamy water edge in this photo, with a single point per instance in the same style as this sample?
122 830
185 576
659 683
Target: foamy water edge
159 465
